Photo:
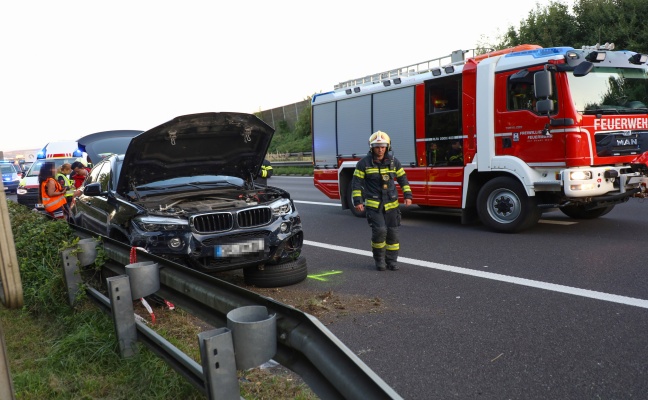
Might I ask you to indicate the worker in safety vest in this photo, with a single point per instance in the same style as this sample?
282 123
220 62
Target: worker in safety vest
266 172
66 183
52 195
373 182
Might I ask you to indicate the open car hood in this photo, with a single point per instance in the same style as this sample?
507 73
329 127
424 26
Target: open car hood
101 144
225 143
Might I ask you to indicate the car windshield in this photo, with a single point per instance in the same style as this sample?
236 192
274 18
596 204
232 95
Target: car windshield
35 168
7 169
608 90
198 182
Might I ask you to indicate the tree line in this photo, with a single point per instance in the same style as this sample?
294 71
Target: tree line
586 23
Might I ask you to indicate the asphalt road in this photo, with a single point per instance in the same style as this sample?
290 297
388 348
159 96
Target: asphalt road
556 312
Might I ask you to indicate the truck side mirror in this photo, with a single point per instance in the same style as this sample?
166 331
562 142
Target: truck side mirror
544 107
542 84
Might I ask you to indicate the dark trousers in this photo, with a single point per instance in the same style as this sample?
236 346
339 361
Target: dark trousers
384 235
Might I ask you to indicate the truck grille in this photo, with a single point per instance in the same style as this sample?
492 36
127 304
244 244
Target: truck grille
224 221
620 143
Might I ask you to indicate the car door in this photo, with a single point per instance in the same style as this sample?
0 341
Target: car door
92 212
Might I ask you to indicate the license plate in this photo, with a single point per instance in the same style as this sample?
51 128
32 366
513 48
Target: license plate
239 249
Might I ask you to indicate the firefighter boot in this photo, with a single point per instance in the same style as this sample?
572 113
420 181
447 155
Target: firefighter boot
391 257
379 258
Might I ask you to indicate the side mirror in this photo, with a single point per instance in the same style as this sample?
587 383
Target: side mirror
544 107
542 84
93 189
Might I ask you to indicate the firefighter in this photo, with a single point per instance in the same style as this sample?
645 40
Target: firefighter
455 154
373 181
266 172
266 169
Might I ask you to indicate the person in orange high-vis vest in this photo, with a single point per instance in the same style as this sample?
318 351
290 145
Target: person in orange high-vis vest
52 194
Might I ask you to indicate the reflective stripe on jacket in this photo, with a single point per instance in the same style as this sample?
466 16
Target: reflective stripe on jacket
52 204
374 182
266 169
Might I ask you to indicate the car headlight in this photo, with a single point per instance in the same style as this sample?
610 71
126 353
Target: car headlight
157 224
281 207
580 175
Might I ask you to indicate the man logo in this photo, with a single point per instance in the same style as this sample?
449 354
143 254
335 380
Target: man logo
627 142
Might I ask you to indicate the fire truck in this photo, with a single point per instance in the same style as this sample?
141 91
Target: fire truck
498 137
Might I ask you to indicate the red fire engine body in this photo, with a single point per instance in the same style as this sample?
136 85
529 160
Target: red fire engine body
498 137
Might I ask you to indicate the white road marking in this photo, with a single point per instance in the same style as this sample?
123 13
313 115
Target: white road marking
613 298
549 221
318 203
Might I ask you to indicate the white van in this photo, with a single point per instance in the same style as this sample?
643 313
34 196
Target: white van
60 153
91 148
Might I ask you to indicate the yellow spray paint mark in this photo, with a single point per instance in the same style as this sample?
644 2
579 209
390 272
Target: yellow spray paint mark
322 276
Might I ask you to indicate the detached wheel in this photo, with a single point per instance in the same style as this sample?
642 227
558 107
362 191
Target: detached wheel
503 205
359 214
277 275
579 212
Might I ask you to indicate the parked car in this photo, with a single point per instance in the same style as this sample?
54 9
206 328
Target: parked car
60 152
10 176
185 190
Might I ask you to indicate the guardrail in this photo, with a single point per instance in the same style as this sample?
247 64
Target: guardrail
303 343
292 163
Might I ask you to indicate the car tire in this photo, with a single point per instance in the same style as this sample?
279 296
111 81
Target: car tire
276 275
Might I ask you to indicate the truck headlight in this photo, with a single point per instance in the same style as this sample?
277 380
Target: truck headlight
580 175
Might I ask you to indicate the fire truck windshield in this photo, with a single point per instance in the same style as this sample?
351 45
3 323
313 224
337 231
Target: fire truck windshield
610 91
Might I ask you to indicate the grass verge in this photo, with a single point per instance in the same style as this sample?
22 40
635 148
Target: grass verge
59 352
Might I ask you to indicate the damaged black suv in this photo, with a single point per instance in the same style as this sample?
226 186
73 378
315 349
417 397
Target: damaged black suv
185 191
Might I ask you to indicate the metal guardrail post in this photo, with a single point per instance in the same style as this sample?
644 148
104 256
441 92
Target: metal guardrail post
123 314
219 365
304 344
73 280
254 333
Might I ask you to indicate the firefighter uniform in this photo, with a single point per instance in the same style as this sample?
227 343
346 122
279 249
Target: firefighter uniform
373 181
265 173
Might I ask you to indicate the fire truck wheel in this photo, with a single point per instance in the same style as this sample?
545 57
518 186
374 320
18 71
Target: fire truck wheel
503 205
579 212
277 275
360 214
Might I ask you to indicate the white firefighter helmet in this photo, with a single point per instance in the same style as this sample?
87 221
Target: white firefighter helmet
378 138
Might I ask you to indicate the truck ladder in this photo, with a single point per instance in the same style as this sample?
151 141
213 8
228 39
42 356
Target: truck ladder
456 58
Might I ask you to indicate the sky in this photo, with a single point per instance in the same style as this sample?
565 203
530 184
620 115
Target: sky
71 68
